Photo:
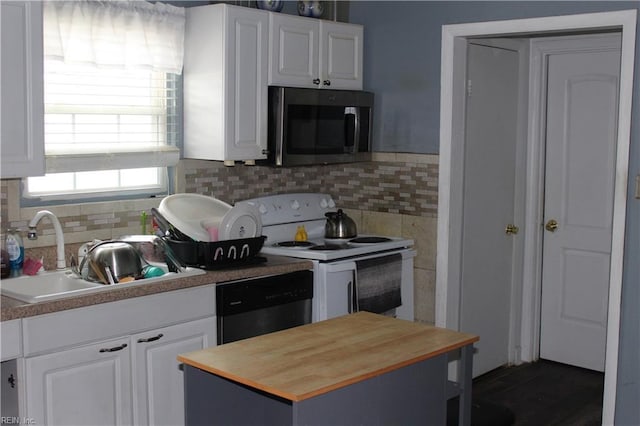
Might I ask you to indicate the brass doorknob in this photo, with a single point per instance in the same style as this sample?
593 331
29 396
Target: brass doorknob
511 229
551 225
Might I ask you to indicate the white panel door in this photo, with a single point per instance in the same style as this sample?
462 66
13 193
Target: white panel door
158 378
487 251
341 55
247 84
89 385
21 97
294 55
582 99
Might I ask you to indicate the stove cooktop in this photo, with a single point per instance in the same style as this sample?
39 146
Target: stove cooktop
282 214
332 249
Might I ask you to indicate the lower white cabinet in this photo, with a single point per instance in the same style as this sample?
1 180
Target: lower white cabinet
158 390
131 380
108 364
87 385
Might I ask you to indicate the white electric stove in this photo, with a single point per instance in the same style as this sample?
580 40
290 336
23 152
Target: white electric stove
342 267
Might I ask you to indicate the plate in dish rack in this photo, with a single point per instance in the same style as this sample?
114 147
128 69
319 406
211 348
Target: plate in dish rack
242 221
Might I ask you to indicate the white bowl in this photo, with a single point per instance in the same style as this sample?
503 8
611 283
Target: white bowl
188 211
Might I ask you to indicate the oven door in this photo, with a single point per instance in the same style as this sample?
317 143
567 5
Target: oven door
336 285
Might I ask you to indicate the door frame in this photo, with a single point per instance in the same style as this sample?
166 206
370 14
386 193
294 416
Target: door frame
451 172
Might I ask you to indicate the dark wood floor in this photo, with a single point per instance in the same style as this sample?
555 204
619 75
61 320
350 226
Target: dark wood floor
543 393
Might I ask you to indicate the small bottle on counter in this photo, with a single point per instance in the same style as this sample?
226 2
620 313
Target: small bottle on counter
15 248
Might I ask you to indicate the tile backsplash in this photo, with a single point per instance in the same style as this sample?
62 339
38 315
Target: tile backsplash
393 183
395 194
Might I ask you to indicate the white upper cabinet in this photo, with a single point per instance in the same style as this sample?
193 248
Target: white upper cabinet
313 53
21 75
295 51
341 55
225 83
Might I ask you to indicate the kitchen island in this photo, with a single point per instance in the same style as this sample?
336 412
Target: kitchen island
361 368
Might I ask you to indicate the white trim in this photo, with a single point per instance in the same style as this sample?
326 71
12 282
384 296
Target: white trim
447 259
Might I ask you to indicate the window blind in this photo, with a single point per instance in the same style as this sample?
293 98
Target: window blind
104 119
112 83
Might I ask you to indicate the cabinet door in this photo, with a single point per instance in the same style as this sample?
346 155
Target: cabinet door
88 385
158 381
341 59
21 79
246 105
295 51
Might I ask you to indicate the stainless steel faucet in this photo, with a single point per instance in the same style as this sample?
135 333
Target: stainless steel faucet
33 235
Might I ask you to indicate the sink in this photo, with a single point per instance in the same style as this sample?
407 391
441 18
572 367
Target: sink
60 284
45 286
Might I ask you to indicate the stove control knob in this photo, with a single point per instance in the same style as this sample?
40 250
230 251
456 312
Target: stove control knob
262 209
323 203
295 205
332 204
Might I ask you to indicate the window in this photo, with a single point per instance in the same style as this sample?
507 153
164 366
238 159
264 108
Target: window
111 102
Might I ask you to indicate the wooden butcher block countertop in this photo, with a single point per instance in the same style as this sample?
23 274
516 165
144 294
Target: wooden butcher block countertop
313 359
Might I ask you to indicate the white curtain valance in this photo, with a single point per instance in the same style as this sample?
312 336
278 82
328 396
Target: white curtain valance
119 34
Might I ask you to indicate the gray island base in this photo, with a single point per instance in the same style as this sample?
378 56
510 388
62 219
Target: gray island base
334 382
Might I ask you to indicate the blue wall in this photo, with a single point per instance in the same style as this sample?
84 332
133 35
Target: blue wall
402 68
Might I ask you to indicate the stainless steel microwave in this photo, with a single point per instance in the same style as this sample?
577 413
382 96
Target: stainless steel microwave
318 126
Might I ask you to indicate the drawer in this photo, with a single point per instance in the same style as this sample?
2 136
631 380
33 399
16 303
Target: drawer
104 321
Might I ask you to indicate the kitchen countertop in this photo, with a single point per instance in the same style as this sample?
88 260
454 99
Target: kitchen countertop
14 309
310 360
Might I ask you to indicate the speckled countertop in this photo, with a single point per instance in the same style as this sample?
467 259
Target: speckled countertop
13 309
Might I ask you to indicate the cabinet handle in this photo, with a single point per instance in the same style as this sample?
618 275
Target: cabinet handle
316 81
326 83
12 381
350 297
114 349
150 339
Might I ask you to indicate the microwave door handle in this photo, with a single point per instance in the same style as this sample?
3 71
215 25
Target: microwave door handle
351 133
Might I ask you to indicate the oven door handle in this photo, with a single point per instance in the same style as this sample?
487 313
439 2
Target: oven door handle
350 300
352 288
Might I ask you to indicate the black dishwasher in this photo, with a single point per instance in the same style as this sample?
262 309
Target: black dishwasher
252 307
